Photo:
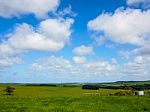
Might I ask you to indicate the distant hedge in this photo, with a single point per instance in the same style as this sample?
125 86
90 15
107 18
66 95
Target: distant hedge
135 87
52 85
70 85
141 87
90 87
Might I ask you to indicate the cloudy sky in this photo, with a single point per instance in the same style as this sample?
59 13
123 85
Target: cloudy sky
55 41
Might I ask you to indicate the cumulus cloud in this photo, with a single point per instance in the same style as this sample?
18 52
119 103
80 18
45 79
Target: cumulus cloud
40 8
140 51
51 35
8 56
52 65
9 61
63 67
142 3
83 50
137 68
129 26
6 50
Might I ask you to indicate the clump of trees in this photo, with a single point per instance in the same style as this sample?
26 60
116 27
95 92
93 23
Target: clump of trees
9 90
91 87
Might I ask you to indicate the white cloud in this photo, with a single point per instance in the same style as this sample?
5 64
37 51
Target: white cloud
8 56
58 30
37 67
79 59
53 66
6 50
144 50
138 67
40 8
9 61
140 51
83 50
130 26
137 3
62 67
51 35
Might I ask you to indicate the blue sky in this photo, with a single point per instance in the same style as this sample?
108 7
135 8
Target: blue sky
53 41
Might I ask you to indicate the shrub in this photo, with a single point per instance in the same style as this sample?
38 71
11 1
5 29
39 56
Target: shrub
148 93
9 90
123 93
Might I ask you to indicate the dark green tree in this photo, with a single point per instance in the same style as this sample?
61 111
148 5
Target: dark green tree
9 90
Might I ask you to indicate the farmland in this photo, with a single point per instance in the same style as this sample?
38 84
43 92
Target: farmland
69 99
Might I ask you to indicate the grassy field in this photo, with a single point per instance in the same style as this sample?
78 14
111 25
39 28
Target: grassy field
69 99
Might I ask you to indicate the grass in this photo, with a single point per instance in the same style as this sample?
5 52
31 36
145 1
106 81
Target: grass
69 99
46 91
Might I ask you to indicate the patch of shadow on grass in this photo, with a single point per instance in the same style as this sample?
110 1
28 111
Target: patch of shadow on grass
146 110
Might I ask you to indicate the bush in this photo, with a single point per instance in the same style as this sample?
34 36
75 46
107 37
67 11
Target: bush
123 93
147 93
9 90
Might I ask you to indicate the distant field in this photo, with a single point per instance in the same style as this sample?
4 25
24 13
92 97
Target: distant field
69 99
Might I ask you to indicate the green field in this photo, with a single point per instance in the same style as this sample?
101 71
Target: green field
69 99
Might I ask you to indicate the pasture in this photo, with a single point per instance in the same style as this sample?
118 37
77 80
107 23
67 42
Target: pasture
69 99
